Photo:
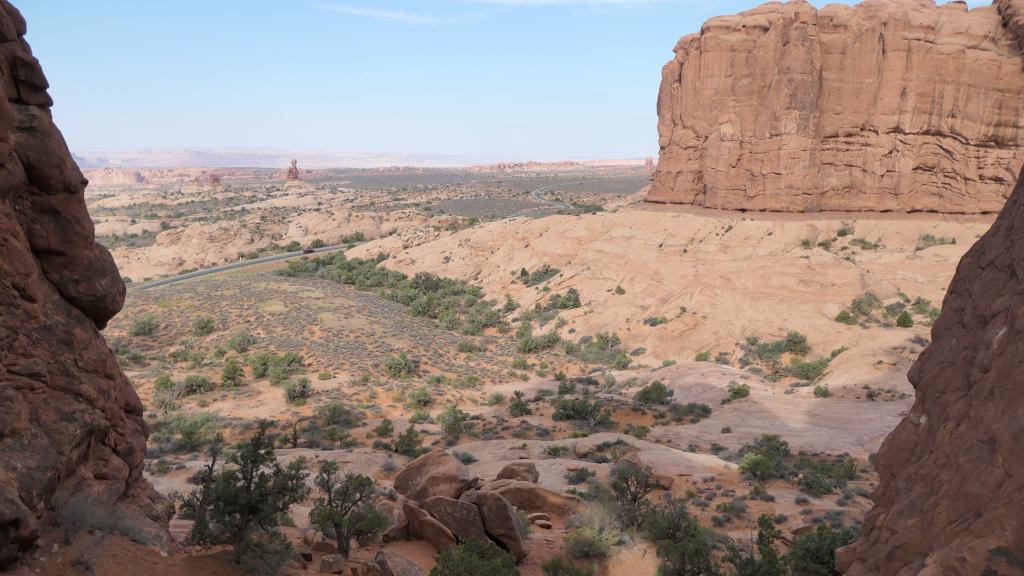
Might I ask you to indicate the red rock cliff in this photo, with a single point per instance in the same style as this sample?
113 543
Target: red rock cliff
951 499
71 427
887 105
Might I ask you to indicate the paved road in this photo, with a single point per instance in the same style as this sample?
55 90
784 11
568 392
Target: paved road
558 203
232 266
537 195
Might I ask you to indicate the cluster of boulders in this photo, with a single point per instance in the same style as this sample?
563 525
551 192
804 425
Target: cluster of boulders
438 501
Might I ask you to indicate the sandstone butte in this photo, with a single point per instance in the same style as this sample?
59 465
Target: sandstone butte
72 436
888 105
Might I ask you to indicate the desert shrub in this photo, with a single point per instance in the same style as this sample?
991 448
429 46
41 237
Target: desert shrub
816 485
143 325
474 558
619 290
904 320
453 422
336 413
583 412
231 375
241 341
464 457
603 349
419 417
655 321
196 384
237 503
765 560
324 375
385 429
495 398
702 356
636 430
203 326
527 343
654 393
566 387
467 347
421 397
683 546
630 484
163 382
518 406
297 390
822 391
814 553
344 507
736 391
409 443
259 363
925 241
691 411
579 475
765 458
559 566
596 533
538 276
456 304
187 433
846 317
810 370
400 366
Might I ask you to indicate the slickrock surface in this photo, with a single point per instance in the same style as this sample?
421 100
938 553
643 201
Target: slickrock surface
887 105
951 499
72 437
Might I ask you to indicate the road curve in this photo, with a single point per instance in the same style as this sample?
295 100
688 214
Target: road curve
537 195
231 266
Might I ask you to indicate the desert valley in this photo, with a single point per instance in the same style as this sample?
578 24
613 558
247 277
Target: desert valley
786 346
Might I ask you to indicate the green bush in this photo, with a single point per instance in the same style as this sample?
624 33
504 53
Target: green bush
822 391
846 317
596 533
196 384
904 320
236 503
297 390
518 406
683 546
385 429
408 443
241 341
421 397
324 375
203 326
703 356
654 393
814 553
453 422
736 391
144 325
583 412
559 566
344 508
603 349
475 558
400 366
691 411
231 376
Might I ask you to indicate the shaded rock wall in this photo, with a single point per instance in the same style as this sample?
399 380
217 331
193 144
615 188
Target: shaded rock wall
72 437
951 499
887 105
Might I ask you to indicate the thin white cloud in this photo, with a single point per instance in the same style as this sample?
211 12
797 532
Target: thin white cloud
403 16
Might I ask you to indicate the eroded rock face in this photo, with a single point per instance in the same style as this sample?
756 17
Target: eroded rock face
435 473
72 437
887 105
951 499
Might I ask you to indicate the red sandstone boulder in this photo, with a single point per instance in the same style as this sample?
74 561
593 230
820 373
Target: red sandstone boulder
460 517
436 473
71 425
500 520
425 527
526 471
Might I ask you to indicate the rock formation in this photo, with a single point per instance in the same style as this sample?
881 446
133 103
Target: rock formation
293 172
951 499
72 437
887 105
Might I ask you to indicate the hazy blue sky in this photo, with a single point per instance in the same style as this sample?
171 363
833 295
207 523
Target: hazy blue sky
542 79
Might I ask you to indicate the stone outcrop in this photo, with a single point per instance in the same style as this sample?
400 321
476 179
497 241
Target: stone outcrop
72 436
461 518
436 473
951 497
525 471
895 105
500 520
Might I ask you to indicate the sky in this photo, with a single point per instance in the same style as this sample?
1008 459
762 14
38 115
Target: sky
502 79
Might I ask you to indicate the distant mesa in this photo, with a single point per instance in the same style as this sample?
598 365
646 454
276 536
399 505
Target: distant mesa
888 105
293 172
